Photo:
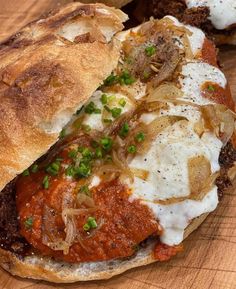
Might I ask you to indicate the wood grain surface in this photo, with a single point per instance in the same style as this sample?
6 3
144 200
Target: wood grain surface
209 258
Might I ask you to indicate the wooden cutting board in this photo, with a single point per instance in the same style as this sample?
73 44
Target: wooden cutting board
209 258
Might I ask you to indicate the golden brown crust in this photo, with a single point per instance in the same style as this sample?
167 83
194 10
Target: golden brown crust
46 73
114 3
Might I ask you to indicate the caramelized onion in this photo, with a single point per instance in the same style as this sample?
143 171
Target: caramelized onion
220 120
165 92
85 199
199 172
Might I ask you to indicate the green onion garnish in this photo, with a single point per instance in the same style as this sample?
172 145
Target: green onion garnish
103 98
92 108
46 182
211 88
124 130
62 133
122 102
132 149
34 168
98 153
115 112
28 223
150 50
72 154
106 143
26 173
140 137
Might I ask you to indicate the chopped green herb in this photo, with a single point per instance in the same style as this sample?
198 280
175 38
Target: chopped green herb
28 223
126 78
87 153
59 159
106 143
124 130
62 133
111 97
85 190
92 108
140 137
34 168
70 172
26 173
103 98
98 153
132 149
72 154
211 88
53 168
111 79
122 102
86 227
107 120
92 222
46 182
150 50
115 112
83 170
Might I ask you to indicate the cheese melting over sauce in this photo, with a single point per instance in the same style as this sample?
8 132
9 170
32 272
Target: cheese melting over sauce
222 12
167 159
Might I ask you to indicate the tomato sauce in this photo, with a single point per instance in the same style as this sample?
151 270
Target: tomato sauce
163 252
218 94
208 52
121 224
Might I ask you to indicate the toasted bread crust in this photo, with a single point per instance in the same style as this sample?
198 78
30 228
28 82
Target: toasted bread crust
47 71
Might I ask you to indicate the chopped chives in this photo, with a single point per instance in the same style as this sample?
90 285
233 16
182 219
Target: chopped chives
26 173
132 149
46 182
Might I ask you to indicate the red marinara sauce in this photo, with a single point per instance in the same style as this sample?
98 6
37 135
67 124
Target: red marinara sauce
121 224
163 252
218 94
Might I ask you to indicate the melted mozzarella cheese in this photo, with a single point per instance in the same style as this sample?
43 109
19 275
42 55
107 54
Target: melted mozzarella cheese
196 37
167 162
194 75
222 12
95 120
176 217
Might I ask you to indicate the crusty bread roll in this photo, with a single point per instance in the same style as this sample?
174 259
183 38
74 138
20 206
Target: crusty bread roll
35 63
36 106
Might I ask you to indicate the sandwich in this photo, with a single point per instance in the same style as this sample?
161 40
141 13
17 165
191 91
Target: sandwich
123 143
216 18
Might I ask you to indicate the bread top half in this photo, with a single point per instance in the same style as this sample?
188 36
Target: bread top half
47 71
